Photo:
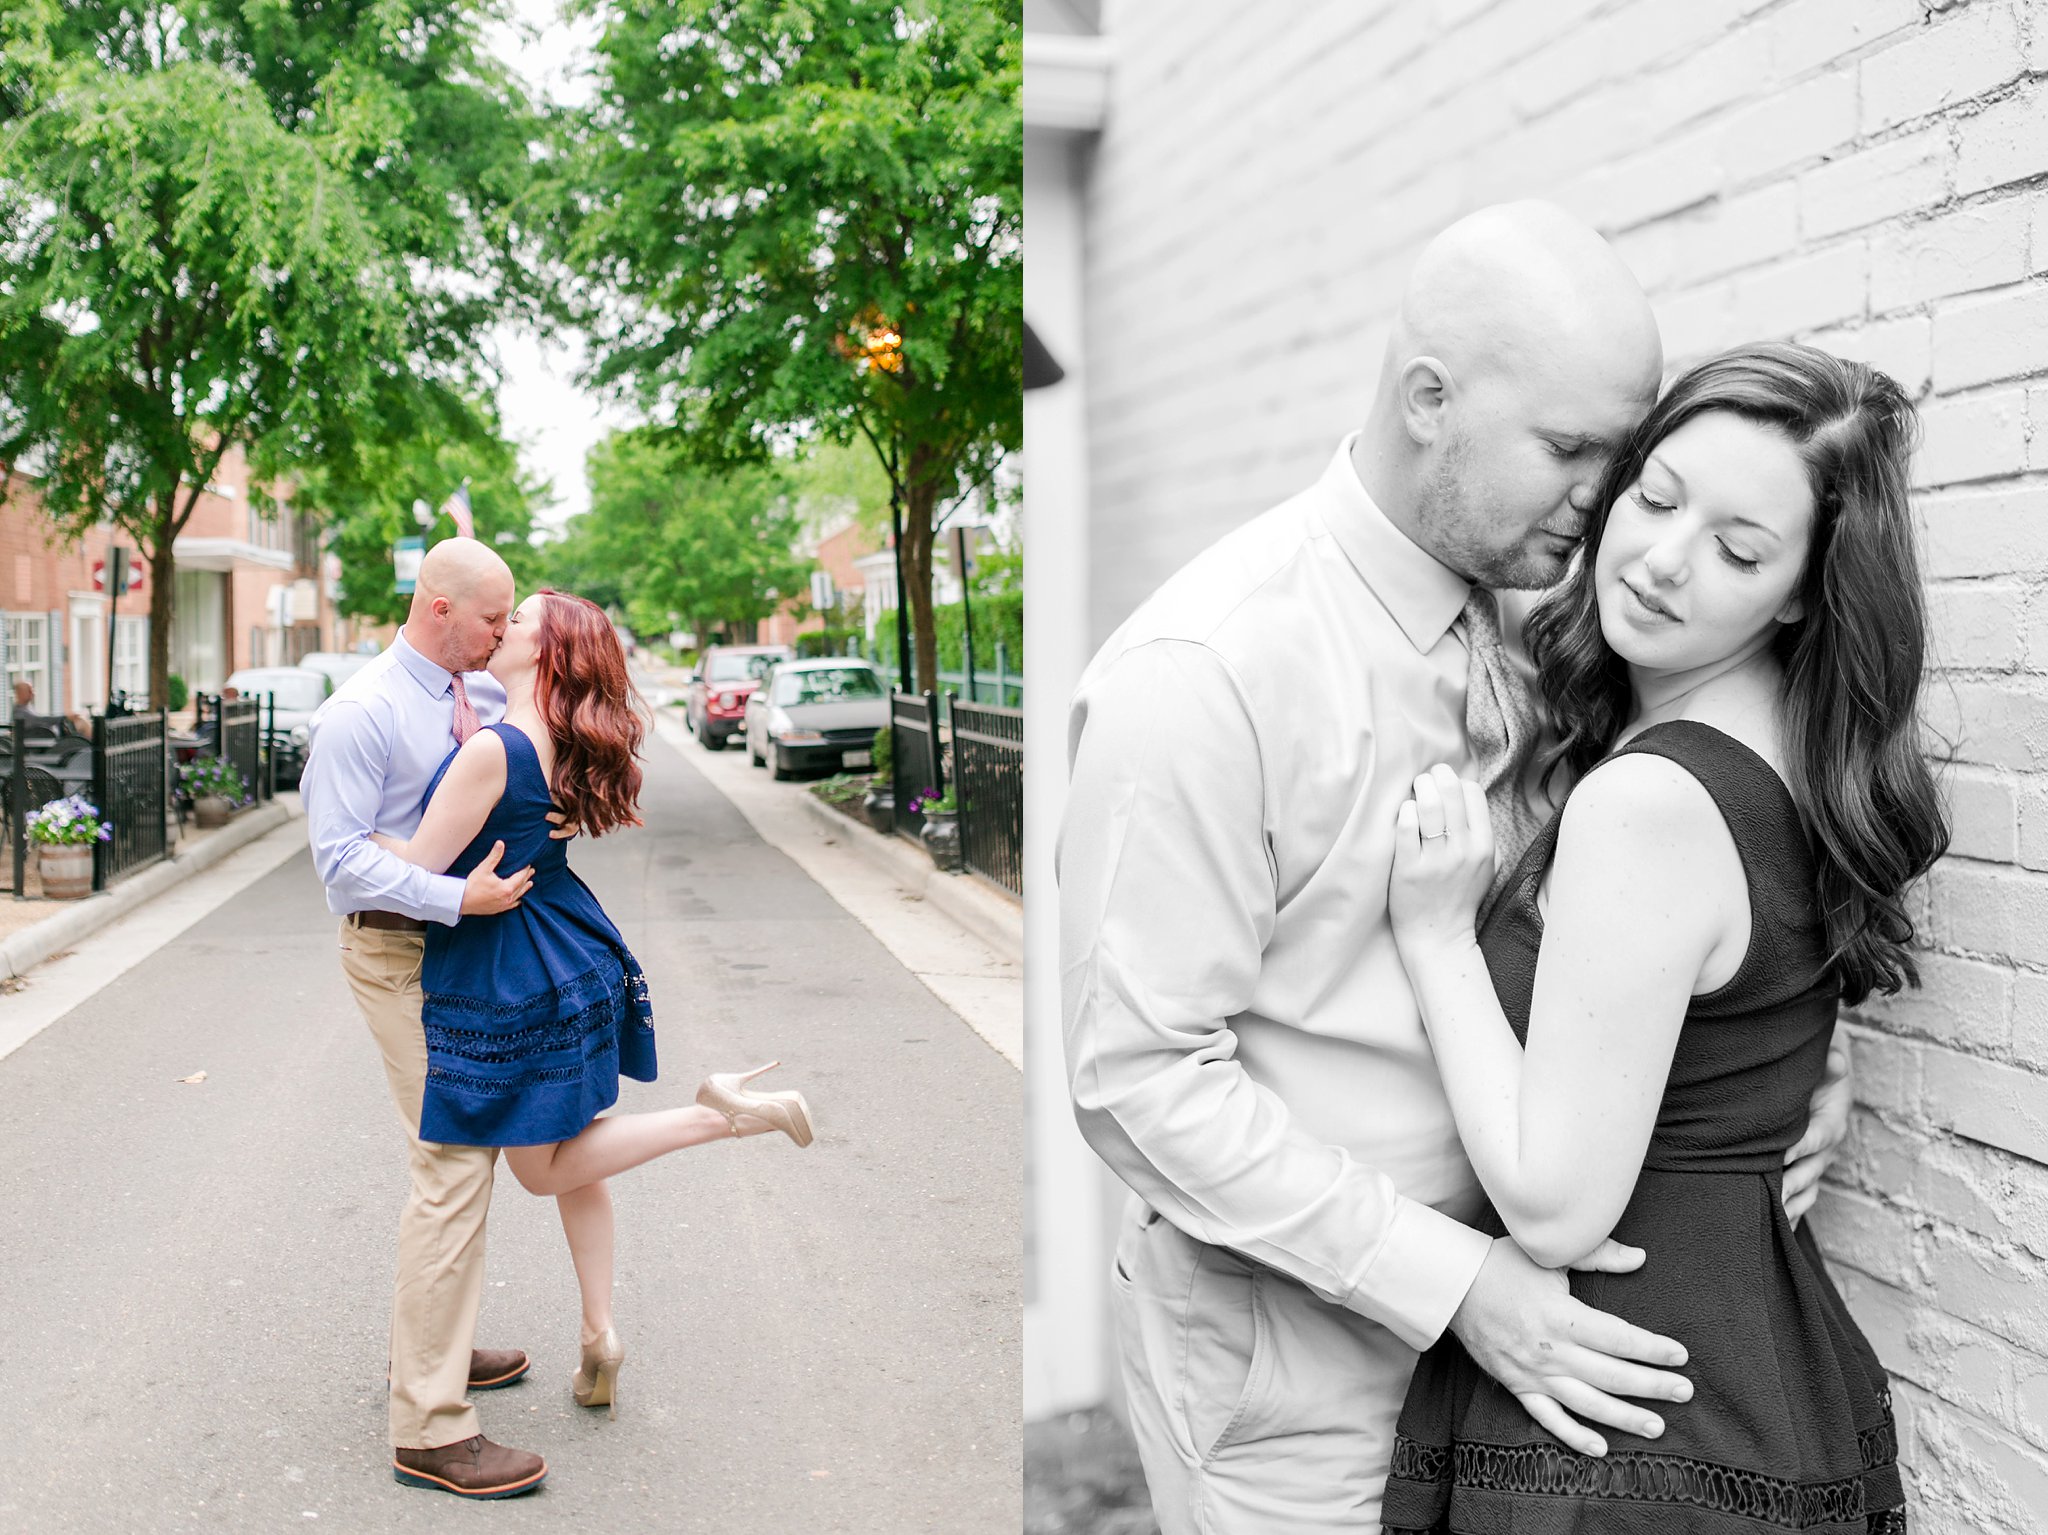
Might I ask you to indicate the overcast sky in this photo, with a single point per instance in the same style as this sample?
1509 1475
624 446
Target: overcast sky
553 420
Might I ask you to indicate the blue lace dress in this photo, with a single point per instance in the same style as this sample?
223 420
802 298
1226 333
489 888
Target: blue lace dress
531 1015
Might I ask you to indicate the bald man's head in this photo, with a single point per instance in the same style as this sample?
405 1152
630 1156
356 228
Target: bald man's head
1523 352
460 602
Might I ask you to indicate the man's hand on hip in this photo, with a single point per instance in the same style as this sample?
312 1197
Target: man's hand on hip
485 894
1559 1356
1827 1123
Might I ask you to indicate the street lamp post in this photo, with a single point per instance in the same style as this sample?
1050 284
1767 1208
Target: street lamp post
874 345
966 605
903 662
117 582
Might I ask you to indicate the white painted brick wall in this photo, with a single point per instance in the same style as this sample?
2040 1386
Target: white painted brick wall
1870 175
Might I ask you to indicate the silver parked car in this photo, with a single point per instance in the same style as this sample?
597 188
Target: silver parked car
820 713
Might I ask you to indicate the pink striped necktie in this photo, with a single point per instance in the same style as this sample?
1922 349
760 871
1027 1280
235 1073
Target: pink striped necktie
465 712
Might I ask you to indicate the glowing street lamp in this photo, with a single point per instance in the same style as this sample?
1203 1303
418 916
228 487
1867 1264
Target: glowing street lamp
874 345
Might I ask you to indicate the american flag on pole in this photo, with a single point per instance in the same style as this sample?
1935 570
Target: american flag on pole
457 506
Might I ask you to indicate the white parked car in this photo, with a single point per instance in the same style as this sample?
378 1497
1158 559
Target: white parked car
337 666
820 713
298 691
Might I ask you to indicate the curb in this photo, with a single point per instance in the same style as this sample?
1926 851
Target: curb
36 943
985 913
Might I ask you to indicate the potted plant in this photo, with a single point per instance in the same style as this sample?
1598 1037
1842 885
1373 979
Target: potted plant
65 831
941 828
215 786
880 801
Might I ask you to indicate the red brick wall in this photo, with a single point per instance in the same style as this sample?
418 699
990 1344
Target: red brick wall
38 569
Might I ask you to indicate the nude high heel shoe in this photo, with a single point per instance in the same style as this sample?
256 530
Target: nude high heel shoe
596 1383
725 1092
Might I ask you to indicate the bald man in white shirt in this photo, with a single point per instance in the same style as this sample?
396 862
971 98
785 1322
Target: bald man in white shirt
1244 1047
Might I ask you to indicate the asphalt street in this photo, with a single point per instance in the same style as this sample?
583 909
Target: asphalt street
198 1275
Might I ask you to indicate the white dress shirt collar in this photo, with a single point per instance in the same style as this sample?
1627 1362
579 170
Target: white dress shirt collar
436 679
1422 594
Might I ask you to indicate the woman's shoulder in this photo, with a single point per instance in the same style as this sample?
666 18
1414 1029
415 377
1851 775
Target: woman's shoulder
1642 844
1639 794
1641 820
480 759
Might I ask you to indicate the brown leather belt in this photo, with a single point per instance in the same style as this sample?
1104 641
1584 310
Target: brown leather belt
389 922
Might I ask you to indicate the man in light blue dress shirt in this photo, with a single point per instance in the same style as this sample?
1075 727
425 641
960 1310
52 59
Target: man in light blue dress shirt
375 746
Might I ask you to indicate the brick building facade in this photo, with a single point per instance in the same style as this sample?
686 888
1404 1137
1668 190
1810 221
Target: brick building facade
254 588
1869 175
837 550
54 610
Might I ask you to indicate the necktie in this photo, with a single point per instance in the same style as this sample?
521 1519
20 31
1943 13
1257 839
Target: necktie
1501 722
465 712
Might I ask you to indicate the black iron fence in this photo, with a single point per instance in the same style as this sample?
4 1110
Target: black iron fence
131 777
988 784
123 769
917 758
239 732
241 741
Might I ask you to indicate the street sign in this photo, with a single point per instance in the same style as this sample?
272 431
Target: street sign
406 555
99 574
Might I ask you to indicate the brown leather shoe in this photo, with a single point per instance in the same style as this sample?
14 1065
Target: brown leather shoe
470 1468
490 1368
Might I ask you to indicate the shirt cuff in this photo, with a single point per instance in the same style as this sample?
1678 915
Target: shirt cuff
1417 1280
444 900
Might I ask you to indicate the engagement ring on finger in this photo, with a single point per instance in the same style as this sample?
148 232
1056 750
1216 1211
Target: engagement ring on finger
1431 836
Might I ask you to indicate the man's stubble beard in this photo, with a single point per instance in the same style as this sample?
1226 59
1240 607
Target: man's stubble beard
1449 506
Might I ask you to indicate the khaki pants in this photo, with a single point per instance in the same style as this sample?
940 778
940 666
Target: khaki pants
441 1234
1258 1408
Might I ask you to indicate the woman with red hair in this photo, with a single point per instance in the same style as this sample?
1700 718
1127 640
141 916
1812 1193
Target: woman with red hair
531 1015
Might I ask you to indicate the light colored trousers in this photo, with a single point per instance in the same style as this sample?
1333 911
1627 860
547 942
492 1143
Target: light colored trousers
441 1234
1258 1408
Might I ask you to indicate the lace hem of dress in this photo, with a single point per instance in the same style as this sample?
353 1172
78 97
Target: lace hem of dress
591 1004
1650 1476
601 980
541 1076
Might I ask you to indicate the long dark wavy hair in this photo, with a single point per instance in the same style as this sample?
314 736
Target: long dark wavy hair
1852 663
593 714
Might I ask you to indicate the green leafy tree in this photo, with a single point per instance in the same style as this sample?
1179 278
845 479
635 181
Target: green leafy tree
371 507
709 544
807 219
998 572
835 480
272 227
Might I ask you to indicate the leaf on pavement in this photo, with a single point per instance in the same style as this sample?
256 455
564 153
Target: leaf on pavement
197 1076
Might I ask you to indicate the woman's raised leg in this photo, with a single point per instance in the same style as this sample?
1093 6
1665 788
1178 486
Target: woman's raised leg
609 1146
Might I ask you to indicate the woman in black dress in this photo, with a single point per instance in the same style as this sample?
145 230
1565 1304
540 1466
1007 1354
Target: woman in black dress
1630 1041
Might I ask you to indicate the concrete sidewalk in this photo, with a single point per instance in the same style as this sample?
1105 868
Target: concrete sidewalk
33 930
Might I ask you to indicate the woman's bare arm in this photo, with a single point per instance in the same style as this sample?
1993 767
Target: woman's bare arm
472 786
1645 886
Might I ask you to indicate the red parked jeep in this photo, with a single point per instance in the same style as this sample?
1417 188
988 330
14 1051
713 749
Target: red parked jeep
720 686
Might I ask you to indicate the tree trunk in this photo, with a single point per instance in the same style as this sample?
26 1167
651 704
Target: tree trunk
162 595
919 497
